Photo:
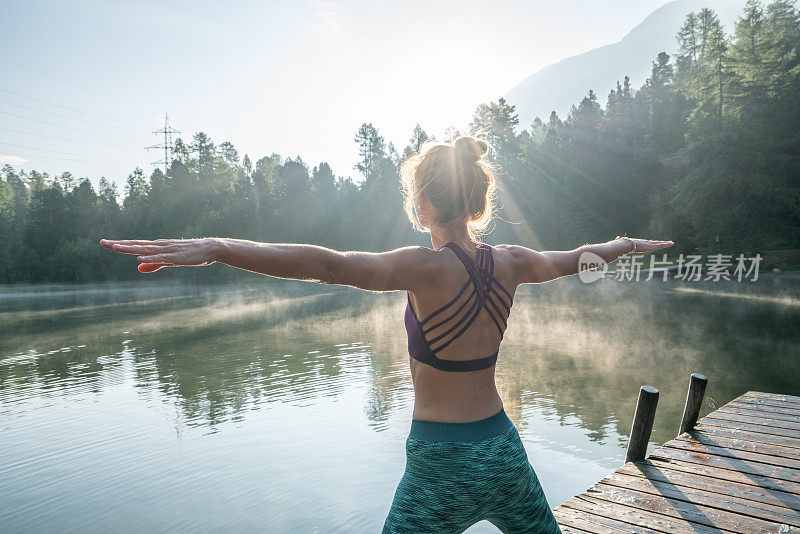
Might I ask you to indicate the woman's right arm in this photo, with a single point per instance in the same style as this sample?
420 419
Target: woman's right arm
401 269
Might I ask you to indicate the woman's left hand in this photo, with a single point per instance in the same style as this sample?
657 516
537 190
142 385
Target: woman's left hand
647 245
154 255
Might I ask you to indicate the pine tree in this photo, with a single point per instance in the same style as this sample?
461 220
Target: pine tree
689 38
371 149
206 151
135 188
588 113
783 36
750 48
418 137
229 153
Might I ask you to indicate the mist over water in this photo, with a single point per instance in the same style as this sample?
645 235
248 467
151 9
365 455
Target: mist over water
284 407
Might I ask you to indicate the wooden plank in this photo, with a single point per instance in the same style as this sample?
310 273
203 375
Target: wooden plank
757 404
754 468
643 519
756 420
787 399
591 522
767 483
689 512
756 437
738 409
715 421
740 444
754 403
736 505
749 492
769 401
766 403
734 453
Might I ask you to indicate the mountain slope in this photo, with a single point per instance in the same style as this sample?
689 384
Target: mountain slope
558 86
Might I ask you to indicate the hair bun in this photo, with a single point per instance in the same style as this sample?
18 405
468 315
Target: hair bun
470 148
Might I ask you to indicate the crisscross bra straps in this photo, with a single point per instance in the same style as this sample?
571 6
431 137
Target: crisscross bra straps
428 337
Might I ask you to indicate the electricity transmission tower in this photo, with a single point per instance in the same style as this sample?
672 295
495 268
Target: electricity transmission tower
167 131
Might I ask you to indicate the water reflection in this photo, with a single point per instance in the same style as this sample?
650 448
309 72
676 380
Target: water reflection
217 355
273 358
572 350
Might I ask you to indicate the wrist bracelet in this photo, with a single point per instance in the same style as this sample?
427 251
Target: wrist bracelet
629 240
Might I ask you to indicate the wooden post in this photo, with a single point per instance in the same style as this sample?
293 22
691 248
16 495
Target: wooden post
694 400
642 424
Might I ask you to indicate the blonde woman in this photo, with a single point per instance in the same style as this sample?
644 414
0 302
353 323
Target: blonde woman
465 461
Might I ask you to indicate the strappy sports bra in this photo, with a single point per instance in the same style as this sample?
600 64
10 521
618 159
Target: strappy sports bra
484 296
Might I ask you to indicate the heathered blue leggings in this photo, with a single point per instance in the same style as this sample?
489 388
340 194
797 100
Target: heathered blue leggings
460 473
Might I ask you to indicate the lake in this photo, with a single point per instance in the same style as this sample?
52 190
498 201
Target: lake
284 407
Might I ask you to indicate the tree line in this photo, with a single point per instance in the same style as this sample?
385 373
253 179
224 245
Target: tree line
706 152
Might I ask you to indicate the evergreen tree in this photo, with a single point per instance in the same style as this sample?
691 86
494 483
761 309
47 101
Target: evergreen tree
497 123
418 137
371 150
135 188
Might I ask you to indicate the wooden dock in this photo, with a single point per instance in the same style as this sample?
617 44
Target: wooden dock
736 470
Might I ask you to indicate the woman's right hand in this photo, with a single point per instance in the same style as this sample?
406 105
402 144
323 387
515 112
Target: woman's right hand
154 255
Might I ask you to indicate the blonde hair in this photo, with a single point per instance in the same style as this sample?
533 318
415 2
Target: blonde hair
456 179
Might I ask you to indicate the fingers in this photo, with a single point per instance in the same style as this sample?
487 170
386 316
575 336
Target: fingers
109 243
154 254
145 268
131 249
644 246
158 258
143 249
663 244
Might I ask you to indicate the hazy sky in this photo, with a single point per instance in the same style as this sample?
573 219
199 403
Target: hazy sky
293 77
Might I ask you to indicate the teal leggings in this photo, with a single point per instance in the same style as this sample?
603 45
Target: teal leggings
460 473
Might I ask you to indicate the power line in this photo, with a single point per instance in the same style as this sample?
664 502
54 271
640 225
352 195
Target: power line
72 109
68 139
67 153
67 127
70 118
83 160
167 131
70 83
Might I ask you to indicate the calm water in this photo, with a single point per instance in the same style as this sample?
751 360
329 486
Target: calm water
284 407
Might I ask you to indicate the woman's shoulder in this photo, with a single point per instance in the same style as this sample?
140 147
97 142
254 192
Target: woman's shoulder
421 259
516 252
512 251
516 258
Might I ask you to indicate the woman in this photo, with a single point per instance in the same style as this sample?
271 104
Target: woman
465 461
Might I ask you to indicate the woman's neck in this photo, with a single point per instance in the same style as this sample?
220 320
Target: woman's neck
459 236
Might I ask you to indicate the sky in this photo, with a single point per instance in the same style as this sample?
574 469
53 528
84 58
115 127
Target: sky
83 84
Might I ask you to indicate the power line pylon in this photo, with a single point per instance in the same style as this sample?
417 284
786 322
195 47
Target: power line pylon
167 131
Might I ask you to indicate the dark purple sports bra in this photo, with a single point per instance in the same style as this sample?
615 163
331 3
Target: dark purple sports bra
484 296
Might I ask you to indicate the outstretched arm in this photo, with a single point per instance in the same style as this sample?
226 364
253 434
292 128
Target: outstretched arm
401 269
536 267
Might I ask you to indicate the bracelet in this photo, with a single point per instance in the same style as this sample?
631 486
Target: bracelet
629 240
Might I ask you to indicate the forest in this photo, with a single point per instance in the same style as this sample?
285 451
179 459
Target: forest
706 152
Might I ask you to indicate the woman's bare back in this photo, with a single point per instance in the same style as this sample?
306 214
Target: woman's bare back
460 396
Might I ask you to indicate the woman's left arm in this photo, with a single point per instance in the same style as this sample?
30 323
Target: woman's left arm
400 269
536 267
